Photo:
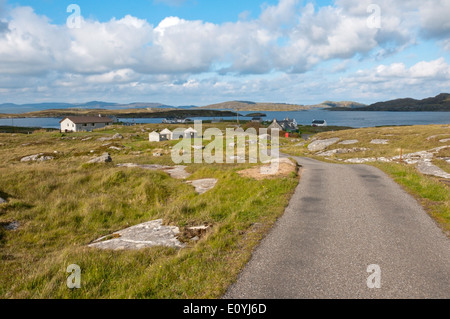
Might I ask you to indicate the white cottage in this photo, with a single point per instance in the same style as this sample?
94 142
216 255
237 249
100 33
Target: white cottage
190 133
154 137
84 123
165 135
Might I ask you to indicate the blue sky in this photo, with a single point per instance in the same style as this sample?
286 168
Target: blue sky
183 52
152 10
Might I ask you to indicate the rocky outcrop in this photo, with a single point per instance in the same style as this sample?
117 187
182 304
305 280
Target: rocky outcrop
105 158
342 151
349 142
429 168
117 137
422 160
12 226
380 142
114 137
320 145
203 185
141 236
178 172
37 158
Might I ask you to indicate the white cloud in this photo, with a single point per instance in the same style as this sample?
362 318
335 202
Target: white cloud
434 15
131 56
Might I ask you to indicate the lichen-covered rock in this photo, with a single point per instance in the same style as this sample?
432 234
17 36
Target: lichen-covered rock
342 151
37 158
380 142
349 142
203 185
105 158
320 145
141 236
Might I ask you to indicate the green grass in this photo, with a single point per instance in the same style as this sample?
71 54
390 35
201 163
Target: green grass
433 195
63 205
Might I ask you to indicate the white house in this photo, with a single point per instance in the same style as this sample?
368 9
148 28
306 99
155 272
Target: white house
165 135
154 137
84 123
190 133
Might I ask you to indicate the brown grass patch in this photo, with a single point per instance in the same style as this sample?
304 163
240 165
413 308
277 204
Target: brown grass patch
286 168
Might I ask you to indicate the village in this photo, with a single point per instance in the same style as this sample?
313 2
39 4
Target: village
91 123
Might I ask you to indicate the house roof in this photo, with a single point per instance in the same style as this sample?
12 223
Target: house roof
286 124
166 131
88 119
190 130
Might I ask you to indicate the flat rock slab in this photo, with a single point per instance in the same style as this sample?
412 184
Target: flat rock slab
177 172
342 151
150 234
423 159
380 142
105 158
428 168
436 136
320 145
349 142
2 201
445 140
36 158
203 185
115 137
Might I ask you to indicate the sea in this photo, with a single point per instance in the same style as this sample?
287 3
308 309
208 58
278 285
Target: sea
356 119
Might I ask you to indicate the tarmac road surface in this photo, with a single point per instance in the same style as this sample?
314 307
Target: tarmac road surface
341 220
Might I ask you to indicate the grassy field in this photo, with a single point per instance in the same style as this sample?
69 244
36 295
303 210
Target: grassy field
405 139
432 192
63 204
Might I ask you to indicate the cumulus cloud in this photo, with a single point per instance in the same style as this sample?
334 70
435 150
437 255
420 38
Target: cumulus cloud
434 17
397 80
131 55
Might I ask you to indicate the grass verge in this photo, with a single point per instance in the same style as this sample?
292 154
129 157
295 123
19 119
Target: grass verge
432 194
62 205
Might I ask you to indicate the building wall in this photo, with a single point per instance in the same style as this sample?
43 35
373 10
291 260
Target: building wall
154 137
89 127
275 125
68 126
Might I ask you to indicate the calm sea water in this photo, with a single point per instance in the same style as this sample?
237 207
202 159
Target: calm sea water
352 119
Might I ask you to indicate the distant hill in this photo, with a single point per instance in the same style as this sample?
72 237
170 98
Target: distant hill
342 104
254 106
12 108
123 113
439 103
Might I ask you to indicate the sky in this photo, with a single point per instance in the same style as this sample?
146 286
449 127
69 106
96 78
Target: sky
199 52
